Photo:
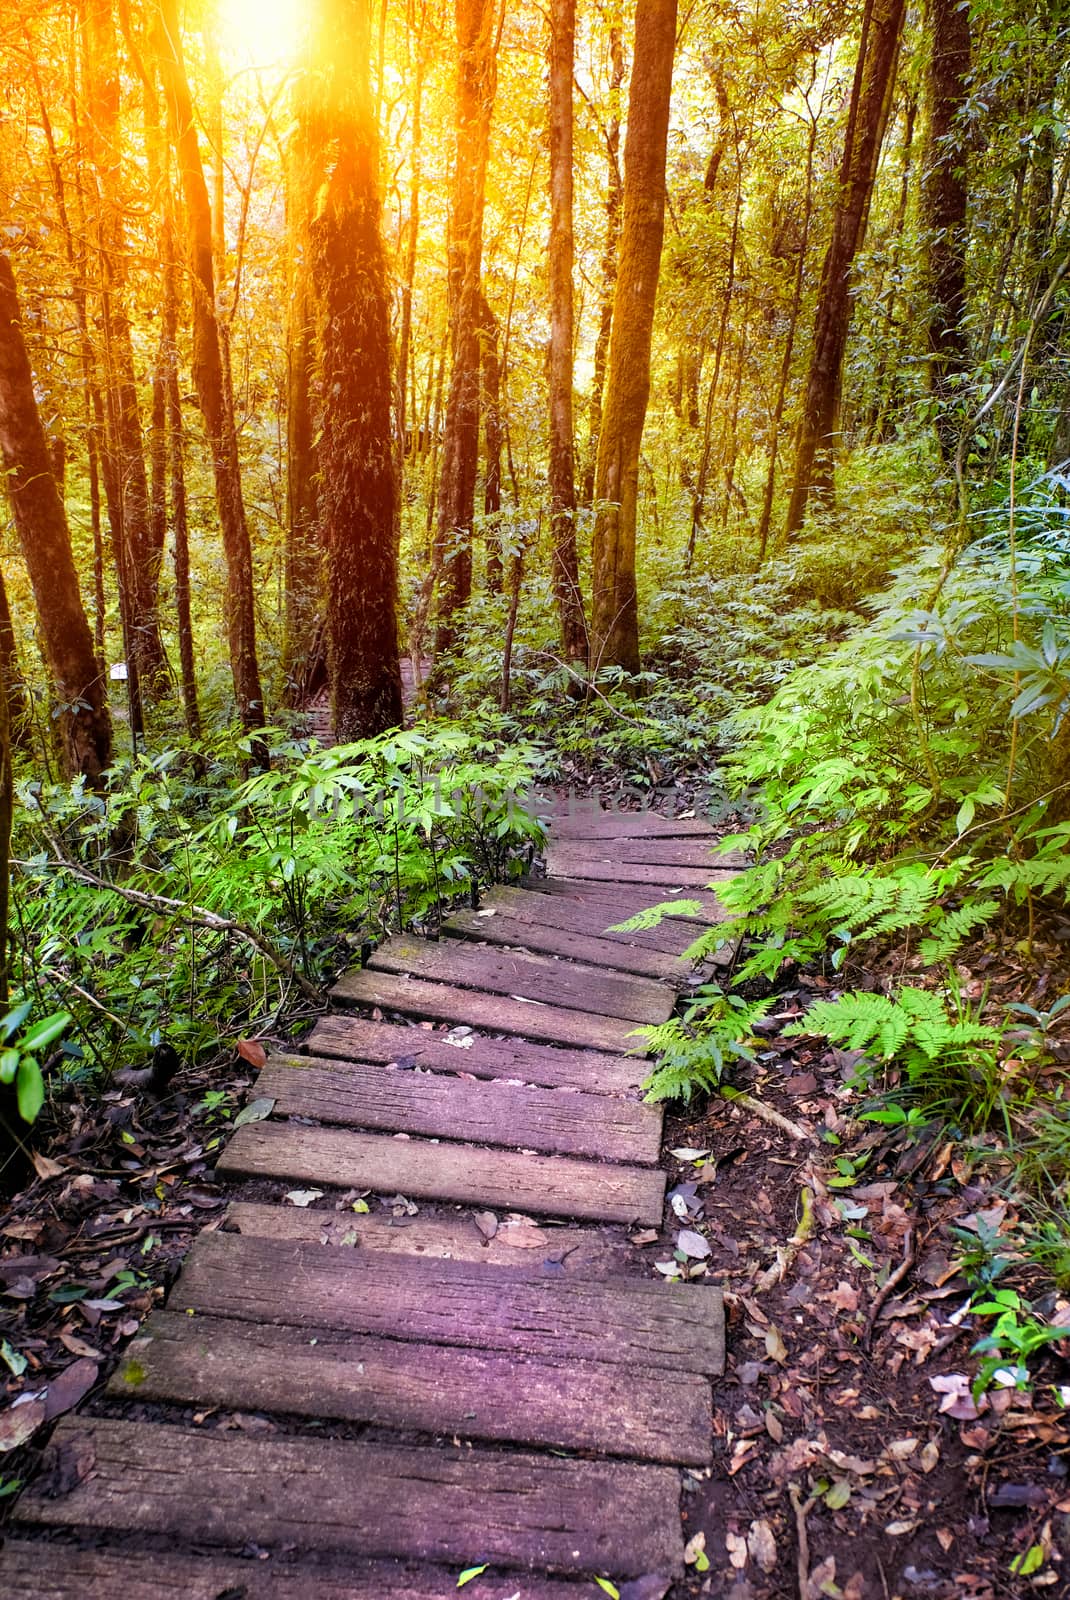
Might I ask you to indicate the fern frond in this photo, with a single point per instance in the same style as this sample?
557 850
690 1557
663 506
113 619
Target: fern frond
953 928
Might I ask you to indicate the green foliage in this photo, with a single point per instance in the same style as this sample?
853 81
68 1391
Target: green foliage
696 1049
950 1059
19 1065
188 901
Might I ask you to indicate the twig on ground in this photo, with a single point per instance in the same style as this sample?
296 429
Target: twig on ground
786 1255
802 1509
759 1109
893 1280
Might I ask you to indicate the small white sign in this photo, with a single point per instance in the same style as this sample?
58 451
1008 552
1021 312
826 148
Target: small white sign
118 672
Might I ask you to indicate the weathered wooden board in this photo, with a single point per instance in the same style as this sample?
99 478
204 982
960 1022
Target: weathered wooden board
603 905
582 823
366 1096
436 1389
458 1506
527 976
622 1321
37 1570
564 861
357 1039
518 1241
656 852
446 1003
424 1170
496 927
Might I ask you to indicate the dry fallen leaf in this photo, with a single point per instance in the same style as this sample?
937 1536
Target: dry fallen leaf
45 1167
253 1051
738 1554
775 1347
762 1545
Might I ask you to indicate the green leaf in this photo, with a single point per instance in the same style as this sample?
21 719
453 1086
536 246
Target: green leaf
15 1018
30 1089
469 1573
608 1588
44 1032
9 1064
13 1358
1029 1561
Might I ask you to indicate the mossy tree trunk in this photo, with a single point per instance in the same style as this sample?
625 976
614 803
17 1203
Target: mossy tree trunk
358 487
614 611
944 209
81 717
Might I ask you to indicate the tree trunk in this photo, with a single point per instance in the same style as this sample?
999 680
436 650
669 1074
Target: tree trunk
565 566
209 376
943 203
492 445
304 545
16 703
356 449
614 197
867 118
82 721
477 77
177 462
615 616
137 556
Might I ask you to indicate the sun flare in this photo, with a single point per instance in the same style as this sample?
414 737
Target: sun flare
263 33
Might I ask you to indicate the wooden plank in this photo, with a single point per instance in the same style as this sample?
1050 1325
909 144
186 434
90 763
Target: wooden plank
366 1096
446 1003
657 852
605 904
424 1170
357 1039
621 1321
457 1506
593 915
37 1570
518 1242
495 927
581 823
435 1389
576 864
527 976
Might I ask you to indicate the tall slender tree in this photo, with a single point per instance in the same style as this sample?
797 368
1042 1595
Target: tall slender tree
614 608
565 573
944 207
477 81
81 717
358 489
209 376
867 118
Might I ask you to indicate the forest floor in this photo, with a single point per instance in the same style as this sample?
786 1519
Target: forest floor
852 1456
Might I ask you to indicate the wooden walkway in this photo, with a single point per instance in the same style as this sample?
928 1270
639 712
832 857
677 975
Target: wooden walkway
355 1405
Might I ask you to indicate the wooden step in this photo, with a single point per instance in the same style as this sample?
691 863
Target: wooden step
446 1003
461 1506
588 1252
357 1039
584 824
527 976
38 1570
496 927
598 907
656 853
424 1170
367 1096
621 1321
436 1389
565 861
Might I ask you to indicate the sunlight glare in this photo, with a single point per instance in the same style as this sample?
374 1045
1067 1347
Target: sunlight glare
261 33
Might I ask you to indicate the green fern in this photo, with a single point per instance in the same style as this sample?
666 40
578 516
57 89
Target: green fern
950 1060
695 1051
954 928
653 916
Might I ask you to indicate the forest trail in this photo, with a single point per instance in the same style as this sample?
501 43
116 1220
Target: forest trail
362 1405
